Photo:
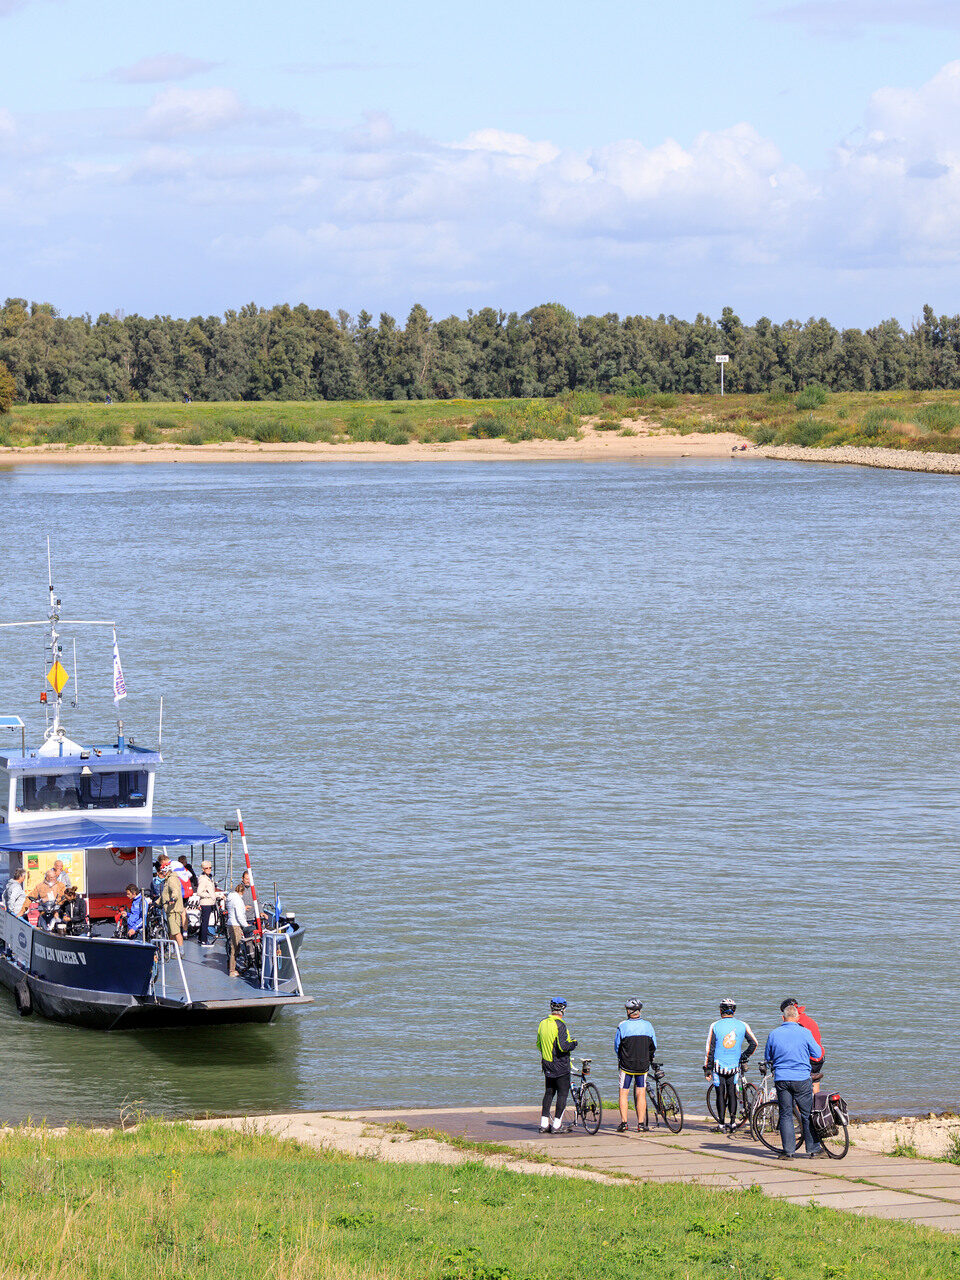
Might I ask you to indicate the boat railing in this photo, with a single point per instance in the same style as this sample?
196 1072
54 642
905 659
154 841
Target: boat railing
274 941
163 945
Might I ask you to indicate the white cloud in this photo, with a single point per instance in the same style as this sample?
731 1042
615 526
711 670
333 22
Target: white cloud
161 68
851 15
10 6
191 111
371 209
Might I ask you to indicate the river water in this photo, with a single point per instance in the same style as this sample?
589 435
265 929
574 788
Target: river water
675 730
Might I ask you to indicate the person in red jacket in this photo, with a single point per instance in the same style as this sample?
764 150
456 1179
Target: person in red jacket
804 1019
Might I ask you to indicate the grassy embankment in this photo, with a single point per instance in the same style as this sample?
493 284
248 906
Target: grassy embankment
928 421
273 422
921 420
168 1201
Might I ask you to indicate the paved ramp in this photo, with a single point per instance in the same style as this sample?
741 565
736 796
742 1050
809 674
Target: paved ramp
923 1191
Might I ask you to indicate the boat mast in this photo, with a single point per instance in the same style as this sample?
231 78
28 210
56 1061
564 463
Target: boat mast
55 650
57 675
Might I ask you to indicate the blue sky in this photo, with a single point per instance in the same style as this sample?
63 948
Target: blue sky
785 157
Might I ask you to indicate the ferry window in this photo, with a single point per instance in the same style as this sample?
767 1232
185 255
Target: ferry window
74 791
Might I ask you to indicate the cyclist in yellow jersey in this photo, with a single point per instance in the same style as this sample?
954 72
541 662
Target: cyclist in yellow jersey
555 1045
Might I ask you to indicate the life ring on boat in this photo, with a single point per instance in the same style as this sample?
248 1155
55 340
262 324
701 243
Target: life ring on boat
123 855
23 999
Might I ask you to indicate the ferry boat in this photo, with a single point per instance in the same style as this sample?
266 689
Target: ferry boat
91 807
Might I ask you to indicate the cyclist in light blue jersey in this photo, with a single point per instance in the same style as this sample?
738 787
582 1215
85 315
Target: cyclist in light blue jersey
729 1043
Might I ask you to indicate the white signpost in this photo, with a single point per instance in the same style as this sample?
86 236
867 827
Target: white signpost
721 361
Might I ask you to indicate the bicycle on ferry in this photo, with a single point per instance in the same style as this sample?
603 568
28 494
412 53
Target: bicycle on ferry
747 1097
663 1101
829 1120
585 1096
249 954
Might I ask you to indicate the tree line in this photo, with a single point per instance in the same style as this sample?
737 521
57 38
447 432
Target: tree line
299 353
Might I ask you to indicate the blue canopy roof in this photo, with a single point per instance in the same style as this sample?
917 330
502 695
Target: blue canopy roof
89 833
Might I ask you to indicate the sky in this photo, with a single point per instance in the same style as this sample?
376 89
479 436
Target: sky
787 158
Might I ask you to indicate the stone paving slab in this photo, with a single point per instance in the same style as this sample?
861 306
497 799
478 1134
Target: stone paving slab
932 1183
922 1217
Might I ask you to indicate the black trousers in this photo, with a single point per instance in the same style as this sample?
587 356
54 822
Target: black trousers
555 1087
206 914
727 1098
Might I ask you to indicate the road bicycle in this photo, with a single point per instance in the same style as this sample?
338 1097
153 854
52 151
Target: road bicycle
765 1122
663 1102
747 1097
585 1096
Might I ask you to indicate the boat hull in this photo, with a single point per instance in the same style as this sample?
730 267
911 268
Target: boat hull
109 987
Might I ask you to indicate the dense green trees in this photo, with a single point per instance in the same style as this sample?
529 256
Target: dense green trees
8 389
298 353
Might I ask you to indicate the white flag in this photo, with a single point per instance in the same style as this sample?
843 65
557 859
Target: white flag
119 684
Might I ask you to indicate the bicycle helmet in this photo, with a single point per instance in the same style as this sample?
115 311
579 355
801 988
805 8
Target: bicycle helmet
557 1002
633 1006
785 1004
728 1006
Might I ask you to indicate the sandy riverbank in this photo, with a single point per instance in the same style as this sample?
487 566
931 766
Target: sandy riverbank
890 459
593 446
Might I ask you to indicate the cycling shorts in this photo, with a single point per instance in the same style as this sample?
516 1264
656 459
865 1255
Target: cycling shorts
627 1081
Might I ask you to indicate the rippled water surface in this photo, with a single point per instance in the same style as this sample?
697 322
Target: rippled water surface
675 730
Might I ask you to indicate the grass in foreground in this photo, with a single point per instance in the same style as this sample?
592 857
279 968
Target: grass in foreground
169 1201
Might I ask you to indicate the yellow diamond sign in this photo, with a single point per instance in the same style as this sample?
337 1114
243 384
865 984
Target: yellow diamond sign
57 676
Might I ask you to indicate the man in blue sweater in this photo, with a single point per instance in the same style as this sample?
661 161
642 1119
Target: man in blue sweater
793 1053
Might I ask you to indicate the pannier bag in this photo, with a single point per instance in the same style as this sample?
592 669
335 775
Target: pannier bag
829 1112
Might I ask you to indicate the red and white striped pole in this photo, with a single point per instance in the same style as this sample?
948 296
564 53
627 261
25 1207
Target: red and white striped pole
253 883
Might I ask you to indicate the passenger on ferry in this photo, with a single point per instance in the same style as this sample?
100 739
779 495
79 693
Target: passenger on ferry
185 878
236 926
185 863
171 900
73 913
156 880
207 899
134 920
62 875
14 894
47 895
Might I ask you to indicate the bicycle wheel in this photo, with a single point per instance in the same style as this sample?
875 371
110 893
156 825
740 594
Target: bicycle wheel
747 1102
838 1145
591 1108
712 1102
670 1108
243 958
765 1125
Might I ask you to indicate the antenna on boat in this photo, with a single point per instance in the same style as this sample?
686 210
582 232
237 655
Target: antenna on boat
75 700
56 676
160 724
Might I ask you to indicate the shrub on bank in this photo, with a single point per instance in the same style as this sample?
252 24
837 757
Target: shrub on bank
812 397
940 416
